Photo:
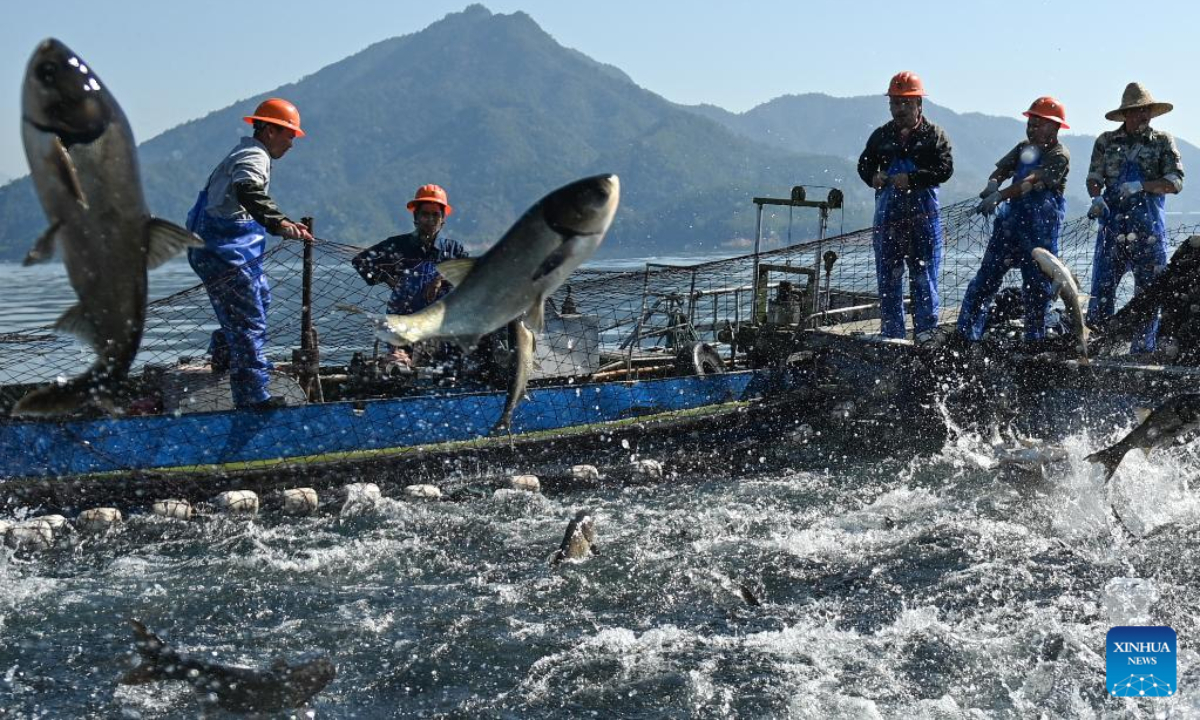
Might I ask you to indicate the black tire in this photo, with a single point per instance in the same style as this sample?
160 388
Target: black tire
698 359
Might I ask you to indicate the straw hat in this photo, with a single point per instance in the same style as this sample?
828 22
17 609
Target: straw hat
1137 96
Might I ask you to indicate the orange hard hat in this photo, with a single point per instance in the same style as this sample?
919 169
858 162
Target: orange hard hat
277 112
1049 108
431 194
906 84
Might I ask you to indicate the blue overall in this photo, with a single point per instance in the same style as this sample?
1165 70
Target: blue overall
230 268
1033 220
1132 237
908 231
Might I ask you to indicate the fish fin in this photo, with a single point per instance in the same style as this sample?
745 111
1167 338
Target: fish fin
536 315
1142 413
455 271
61 160
748 596
557 557
1055 289
552 262
1110 458
165 240
43 247
148 646
76 322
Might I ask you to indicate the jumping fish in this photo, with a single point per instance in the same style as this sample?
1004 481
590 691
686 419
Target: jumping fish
82 157
239 689
1062 282
1158 428
518 273
522 343
579 541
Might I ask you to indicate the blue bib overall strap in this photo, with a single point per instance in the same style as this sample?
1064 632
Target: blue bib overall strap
409 294
1033 220
230 268
908 231
1132 237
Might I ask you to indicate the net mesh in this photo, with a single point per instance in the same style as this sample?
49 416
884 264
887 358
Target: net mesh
604 325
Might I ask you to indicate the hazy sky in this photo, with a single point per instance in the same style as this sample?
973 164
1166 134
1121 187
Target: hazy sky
168 62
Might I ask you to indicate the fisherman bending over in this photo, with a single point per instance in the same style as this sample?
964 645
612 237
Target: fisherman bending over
408 262
1133 168
1029 214
1175 292
234 214
905 161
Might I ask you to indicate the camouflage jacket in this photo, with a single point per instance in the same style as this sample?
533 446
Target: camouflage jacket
1154 151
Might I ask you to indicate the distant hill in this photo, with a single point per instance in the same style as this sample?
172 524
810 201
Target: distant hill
840 127
509 115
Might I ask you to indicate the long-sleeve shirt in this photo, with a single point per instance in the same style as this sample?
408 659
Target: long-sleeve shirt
927 146
1055 163
238 188
1154 151
389 260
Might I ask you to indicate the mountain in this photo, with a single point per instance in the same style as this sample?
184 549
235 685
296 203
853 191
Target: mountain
840 127
496 111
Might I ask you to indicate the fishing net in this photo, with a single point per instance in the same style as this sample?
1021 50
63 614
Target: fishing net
605 329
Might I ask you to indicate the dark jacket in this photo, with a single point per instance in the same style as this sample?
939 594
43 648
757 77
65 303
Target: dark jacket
927 146
393 257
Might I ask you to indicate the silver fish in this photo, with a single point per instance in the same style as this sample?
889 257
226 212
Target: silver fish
239 689
518 273
1161 427
1063 282
579 541
82 157
522 344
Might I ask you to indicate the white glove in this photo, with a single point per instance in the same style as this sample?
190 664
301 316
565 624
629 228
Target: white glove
1098 209
992 186
988 206
1132 187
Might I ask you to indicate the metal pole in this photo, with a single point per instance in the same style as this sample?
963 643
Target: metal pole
816 286
308 359
757 244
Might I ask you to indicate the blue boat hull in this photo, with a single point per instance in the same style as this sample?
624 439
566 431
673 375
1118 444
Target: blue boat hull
343 431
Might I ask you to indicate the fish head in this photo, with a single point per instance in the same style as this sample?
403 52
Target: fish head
580 213
62 95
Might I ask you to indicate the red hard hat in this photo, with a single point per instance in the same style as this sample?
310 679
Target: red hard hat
1049 108
906 84
431 194
277 112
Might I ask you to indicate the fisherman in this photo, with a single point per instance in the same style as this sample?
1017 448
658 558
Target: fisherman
1133 168
234 214
408 262
1029 214
905 161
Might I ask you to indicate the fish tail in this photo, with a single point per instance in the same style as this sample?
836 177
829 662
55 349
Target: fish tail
149 647
1110 458
60 399
503 425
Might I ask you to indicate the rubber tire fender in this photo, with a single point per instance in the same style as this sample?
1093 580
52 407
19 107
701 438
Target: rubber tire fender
698 358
